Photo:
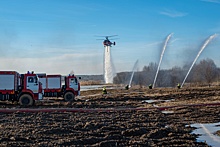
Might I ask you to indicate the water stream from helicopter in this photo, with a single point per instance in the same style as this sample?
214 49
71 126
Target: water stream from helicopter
108 65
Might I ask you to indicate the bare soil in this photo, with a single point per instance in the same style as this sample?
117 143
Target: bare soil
125 119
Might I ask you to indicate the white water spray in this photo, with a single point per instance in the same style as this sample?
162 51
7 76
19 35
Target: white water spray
108 66
202 48
161 57
134 67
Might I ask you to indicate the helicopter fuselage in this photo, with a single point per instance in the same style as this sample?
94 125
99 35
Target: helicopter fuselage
108 43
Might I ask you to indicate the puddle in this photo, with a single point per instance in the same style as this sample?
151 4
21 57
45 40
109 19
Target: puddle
90 87
95 87
167 112
153 101
149 101
207 133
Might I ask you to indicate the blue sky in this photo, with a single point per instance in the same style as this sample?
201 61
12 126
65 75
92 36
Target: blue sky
59 36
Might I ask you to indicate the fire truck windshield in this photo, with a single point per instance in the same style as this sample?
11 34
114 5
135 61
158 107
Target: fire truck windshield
74 80
32 79
36 79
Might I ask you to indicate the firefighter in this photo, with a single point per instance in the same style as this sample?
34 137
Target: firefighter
178 85
150 86
126 87
104 91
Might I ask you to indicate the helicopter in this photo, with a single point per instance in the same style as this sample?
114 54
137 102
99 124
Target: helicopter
107 42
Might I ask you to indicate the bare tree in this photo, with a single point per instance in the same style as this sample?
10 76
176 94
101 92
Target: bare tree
175 75
148 73
205 71
121 78
163 79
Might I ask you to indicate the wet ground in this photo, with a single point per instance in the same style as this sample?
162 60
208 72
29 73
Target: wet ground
122 118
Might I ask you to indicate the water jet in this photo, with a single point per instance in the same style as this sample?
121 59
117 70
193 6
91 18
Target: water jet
134 67
161 57
202 48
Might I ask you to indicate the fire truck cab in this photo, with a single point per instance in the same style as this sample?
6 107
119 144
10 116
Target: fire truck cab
71 88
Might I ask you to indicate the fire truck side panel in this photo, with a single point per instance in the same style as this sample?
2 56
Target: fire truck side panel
8 85
43 81
7 82
51 85
54 82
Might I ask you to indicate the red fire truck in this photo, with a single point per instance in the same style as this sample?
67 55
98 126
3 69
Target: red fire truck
23 88
52 86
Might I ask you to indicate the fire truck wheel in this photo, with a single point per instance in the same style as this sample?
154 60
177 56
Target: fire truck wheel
69 97
26 100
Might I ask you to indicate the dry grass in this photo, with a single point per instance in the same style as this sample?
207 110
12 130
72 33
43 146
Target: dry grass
91 82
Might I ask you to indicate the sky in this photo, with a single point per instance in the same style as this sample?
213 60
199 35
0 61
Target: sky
60 36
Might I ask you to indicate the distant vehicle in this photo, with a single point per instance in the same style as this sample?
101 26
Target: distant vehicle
23 88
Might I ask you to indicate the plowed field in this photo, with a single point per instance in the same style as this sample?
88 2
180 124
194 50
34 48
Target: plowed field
122 117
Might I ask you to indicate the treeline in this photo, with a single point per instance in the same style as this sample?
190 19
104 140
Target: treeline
203 73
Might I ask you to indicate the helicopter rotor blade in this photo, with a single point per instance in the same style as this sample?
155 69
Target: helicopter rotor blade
115 38
112 36
106 36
